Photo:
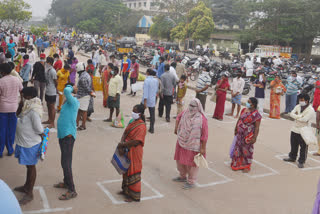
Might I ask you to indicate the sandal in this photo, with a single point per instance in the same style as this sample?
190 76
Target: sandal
81 128
179 179
107 120
67 196
60 186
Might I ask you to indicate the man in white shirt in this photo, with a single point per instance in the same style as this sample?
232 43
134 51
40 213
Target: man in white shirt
173 71
236 93
303 113
204 82
95 57
249 67
277 61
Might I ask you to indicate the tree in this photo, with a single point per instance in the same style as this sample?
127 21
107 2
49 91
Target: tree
161 27
284 22
39 30
104 15
176 9
199 25
15 11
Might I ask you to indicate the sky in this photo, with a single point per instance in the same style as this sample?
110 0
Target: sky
39 7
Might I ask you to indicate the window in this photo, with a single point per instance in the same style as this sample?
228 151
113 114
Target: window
145 4
139 4
134 5
129 5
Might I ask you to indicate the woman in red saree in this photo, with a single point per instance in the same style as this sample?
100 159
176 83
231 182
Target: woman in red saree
4 45
105 83
221 92
246 133
316 97
134 142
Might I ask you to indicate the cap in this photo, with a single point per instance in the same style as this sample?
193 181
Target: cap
42 56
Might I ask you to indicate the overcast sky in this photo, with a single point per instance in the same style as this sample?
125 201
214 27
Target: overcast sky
39 7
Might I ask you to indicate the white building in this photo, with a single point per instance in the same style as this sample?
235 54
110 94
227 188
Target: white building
148 5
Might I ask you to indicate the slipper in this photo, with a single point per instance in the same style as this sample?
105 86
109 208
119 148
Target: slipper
81 128
60 186
107 120
179 179
188 186
67 196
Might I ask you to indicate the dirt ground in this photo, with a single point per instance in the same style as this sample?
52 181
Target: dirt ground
272 186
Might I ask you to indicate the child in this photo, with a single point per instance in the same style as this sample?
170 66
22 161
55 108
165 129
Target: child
182 89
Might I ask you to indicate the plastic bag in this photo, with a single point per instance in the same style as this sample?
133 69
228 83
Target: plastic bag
308 135
118 122
200 161
138 86
232 146
214 96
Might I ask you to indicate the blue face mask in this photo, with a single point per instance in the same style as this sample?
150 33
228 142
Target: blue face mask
248 105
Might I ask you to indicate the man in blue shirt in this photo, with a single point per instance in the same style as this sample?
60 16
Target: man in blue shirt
70 55
67 130
260 85
160 70
39 44
292 86
150 90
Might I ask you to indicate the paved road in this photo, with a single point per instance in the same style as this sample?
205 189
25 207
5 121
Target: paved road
272 186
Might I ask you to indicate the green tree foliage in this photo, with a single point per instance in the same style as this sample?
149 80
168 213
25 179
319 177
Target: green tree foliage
199 25
38 30
161 27
14 11
96 16
176 9
284 22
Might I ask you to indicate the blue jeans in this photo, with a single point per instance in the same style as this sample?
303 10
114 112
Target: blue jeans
8 125
291 102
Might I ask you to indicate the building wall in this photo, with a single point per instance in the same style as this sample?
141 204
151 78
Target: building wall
140 4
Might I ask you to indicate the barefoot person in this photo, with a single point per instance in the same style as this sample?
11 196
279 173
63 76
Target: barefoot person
246 132
67 131
28 139
51 91
135 135
236 93
192 130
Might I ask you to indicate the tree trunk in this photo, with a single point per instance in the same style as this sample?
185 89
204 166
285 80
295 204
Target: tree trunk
308 48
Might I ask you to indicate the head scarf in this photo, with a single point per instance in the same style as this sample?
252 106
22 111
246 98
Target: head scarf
25 61
32 104
190 126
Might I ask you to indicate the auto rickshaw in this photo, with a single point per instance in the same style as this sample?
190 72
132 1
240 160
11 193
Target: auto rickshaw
125 46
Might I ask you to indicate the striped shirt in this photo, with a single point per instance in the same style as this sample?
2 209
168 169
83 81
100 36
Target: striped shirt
292 86
203 81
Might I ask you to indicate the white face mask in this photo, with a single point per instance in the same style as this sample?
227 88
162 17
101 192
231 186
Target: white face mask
112 72
135 116
302 103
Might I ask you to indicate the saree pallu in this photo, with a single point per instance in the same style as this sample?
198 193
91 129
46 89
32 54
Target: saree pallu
105 87
131 184
243 152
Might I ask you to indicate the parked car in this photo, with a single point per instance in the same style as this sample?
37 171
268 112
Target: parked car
150 43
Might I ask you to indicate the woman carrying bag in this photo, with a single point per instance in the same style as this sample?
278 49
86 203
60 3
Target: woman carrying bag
133 142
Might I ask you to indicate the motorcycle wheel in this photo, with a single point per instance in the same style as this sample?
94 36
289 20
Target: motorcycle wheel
245 91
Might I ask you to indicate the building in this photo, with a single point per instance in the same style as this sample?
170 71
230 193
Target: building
147 5
144 24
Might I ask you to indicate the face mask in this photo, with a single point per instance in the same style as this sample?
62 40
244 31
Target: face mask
112 72
135 116
294 78
302 103
42 60
248 105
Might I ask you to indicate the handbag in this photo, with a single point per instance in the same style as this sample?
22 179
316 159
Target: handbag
121 162
200 161
44 144
308 135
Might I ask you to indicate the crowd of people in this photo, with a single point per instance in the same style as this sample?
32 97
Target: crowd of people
55 81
